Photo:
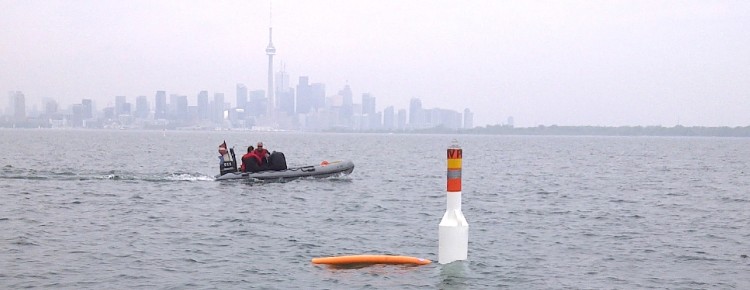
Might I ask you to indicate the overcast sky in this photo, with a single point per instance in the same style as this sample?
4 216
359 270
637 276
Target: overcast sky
607 63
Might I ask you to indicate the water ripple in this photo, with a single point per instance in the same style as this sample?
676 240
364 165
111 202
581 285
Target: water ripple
545 212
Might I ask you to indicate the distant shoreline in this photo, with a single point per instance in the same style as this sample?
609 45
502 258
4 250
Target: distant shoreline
620 131
554 130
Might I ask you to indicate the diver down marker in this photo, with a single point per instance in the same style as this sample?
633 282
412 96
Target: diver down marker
454 230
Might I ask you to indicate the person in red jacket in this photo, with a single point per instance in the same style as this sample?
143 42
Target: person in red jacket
250 156
262 153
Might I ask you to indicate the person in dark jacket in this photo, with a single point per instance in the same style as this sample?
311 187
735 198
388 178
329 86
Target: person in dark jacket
249 157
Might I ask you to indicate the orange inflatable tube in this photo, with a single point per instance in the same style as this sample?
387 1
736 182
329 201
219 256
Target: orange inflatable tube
370 259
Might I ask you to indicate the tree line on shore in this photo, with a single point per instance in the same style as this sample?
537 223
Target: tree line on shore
602 131
697 131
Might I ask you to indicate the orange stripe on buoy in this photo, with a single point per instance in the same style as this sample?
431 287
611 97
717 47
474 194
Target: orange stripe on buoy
454 185
454 169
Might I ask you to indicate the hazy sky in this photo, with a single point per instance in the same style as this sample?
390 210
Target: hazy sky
543 62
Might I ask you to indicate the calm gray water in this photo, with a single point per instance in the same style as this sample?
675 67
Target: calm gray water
125 210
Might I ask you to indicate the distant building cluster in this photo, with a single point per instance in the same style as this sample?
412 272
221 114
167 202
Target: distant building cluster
305 107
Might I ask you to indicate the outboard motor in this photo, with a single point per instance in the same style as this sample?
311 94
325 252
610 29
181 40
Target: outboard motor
230 163
277 161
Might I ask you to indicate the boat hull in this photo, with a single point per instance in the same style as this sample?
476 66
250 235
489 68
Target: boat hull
323 170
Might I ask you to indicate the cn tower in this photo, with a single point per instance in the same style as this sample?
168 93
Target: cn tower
270 51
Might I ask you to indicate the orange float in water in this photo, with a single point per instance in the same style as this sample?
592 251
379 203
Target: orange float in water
370 259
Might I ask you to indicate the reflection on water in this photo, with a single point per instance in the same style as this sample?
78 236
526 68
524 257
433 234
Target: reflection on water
454 275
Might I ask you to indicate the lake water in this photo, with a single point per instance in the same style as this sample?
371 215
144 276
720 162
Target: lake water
127 210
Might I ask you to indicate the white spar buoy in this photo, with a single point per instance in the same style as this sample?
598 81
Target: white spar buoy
454 230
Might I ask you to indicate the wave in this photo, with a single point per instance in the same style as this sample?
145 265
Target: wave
10 172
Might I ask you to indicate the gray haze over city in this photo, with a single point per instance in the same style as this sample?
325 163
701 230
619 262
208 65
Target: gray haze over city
602 63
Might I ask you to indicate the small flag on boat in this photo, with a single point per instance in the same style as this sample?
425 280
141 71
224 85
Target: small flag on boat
223 148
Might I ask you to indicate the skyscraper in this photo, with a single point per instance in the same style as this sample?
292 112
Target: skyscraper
416 116
270 51
304 96
347 106
241 96
368 104
373 119
141 107
389 118
50 107
401 119
318 95
284 93
87 107
257 104
120 106
76 117
217 114
203 105
160 105
468 119
178 105
18 106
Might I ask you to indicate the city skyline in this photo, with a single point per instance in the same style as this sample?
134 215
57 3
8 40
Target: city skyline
279 107
311 112
566 63
269 119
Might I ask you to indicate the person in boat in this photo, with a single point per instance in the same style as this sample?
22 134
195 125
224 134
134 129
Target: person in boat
262 154
222 152
248 158
226 160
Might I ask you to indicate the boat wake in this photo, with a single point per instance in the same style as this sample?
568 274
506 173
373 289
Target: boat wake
10 172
